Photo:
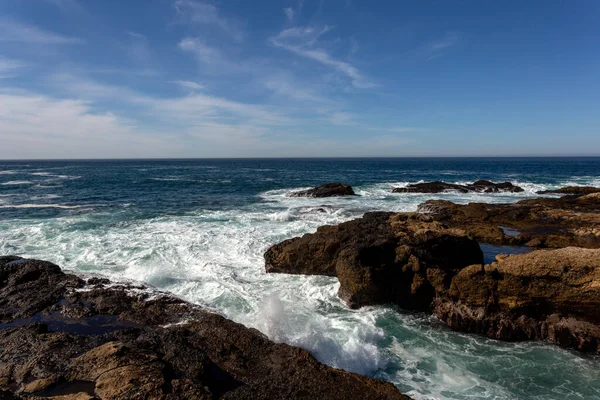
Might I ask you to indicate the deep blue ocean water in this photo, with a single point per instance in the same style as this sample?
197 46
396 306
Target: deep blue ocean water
198 228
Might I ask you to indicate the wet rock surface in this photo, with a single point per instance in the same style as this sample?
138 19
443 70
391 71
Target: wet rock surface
537 223
326 190
379 258
71 338
425 263
551 295
480 186
577 190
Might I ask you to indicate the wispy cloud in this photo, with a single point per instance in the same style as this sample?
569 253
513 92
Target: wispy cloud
203 53
289 13
436 48
207 14
302 41
10 68
189 85
14 31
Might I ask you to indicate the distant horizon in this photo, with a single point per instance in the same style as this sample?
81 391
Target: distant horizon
298 79
294 158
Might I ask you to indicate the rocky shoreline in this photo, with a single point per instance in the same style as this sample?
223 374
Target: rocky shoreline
64 336
69 338
431 261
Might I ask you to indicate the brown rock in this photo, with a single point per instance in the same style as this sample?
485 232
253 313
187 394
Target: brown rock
326 190
576 190
480 186
116 343
379 258
551 295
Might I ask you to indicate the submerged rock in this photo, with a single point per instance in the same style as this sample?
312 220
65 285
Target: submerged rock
551 295
326 190
575 190
379 258
480 186
147 345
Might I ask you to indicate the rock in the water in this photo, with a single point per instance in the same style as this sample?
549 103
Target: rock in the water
326 190
551 295
63 336
575 190
541 222
379 258
420 264
480 186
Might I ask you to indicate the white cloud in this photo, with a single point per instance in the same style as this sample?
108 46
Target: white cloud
10 68
302 41
207 14
436 48
13 31
201 51
289 13
189 85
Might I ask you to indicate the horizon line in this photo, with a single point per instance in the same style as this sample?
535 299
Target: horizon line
289 158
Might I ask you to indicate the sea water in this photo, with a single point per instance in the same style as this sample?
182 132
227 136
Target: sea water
199 228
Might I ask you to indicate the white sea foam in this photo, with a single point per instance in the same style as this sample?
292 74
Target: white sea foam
215 258
17 183
39 206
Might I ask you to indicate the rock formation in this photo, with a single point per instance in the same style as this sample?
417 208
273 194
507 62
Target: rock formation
379 258
480 186
577 190
417 263
326 190
551 295
542 222
61 335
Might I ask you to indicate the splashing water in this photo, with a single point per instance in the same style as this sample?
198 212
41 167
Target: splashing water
199 230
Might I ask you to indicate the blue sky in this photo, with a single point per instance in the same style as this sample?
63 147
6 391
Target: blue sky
266 78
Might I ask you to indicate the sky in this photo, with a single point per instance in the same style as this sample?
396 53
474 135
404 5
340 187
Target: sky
298 78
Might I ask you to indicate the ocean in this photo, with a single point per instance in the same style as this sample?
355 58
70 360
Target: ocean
199 228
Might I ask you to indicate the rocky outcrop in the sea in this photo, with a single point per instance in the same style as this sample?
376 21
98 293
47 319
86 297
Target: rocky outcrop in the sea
379 258
539 223
576 190
326 190
61 335
551 295
480 186
410 260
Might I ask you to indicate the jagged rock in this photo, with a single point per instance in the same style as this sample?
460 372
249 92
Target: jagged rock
326 190
379 258
551 295
62 337
574 190
480 186
541 222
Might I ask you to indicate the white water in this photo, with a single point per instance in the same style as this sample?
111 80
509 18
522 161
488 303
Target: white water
215 258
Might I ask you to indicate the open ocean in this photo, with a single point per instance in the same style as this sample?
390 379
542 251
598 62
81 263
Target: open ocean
199 228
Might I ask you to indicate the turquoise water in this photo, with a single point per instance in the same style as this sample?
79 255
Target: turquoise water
198 228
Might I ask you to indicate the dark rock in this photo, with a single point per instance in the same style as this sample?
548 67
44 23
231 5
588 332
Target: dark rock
326 190
551 295
574 190
541 222
156 347
379 258
480 186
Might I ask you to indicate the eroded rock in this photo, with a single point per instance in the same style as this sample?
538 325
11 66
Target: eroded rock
551 295
326 190
573 190
379 258
480 186
147 345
